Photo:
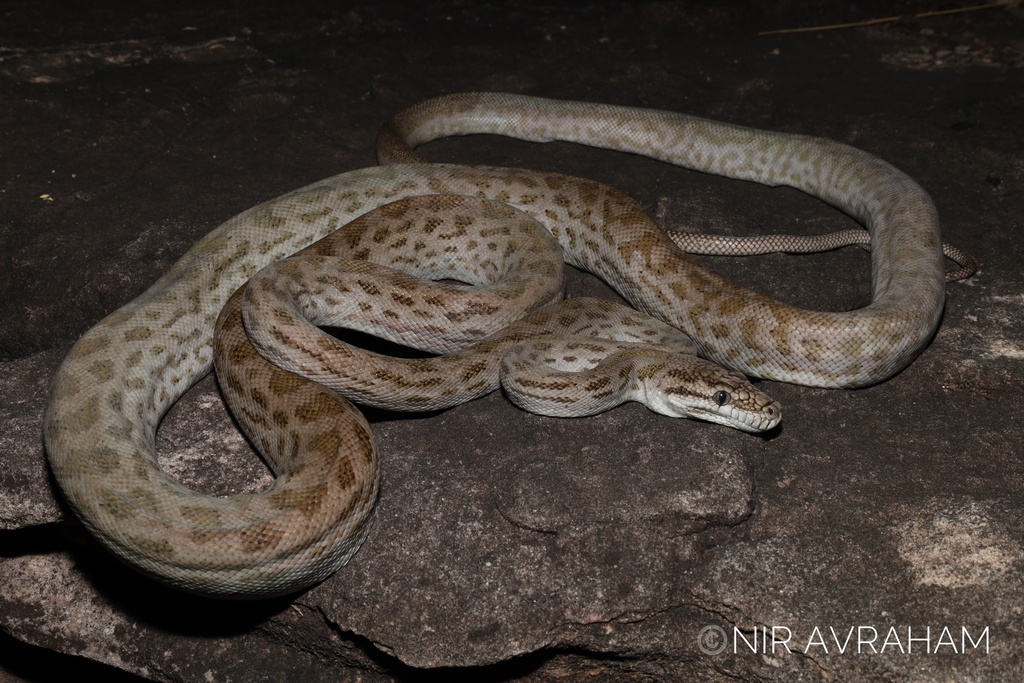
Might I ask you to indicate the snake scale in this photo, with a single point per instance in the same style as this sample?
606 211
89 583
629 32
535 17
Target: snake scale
121 377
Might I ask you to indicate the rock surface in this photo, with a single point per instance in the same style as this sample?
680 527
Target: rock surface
508 546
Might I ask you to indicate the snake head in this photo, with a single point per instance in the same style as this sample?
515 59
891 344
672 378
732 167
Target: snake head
693 387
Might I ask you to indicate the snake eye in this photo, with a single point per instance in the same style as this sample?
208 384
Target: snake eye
722 397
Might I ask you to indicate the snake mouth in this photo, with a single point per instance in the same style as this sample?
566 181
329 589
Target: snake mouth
766 419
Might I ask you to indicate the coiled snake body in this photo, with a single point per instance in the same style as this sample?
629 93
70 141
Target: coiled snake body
117 382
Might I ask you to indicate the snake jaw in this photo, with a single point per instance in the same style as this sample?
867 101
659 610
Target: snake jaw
744 420
763 420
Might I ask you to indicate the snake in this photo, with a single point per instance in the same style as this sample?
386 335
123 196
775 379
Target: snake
478 283
109 394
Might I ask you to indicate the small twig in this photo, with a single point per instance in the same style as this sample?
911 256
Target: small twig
936 13
829 27
884 20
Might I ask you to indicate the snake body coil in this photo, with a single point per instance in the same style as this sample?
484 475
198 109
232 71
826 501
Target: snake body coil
118 381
